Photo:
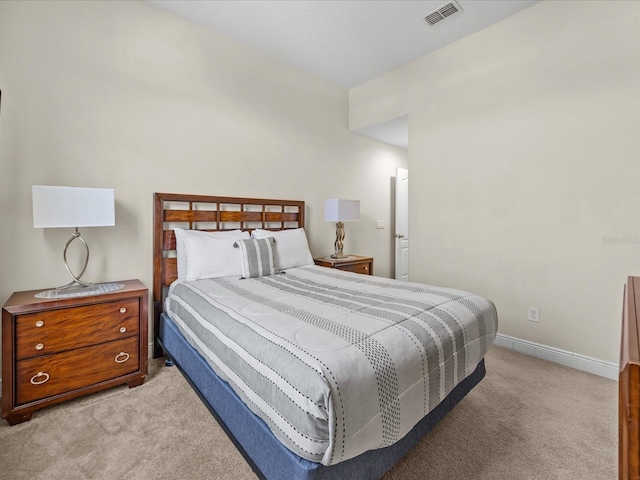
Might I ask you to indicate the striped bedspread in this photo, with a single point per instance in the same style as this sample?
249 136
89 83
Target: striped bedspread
334 362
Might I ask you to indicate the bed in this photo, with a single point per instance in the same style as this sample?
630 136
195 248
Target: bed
313 373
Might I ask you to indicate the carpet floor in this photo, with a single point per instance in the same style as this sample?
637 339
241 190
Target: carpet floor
528 419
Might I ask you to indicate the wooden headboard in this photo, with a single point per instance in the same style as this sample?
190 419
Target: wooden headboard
207 213
629 384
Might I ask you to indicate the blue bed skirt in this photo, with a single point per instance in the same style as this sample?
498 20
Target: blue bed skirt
268 458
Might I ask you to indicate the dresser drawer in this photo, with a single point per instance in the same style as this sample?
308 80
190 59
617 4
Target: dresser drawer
54 331
50 375
356 268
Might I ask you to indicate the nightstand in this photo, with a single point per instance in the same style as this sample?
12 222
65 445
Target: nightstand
58 349
350 263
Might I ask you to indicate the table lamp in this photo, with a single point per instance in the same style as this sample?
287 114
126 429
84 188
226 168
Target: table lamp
64 207
339 211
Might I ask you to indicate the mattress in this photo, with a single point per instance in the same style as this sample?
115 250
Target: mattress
334 363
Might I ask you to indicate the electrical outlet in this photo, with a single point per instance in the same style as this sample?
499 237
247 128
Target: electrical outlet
534 314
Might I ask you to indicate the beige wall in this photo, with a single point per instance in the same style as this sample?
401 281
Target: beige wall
524 161
126 96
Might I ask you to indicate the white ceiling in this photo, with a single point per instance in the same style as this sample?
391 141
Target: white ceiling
347 42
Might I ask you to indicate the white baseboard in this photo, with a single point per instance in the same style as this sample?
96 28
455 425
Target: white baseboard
556 355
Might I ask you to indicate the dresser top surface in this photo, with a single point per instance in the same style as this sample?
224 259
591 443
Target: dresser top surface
27 300
345 259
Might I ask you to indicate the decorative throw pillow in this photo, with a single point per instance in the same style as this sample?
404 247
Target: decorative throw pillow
257 256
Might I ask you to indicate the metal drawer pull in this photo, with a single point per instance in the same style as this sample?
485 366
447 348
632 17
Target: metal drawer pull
123 310
39 374
122 357
39 346
39 323
123 329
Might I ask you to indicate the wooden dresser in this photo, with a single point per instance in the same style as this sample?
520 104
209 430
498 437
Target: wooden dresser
629 384
58 349
350 263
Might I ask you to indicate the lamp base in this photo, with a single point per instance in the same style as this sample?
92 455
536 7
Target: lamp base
75 286
339 241
76 280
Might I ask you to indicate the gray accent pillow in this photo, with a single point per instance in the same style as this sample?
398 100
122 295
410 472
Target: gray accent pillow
257 256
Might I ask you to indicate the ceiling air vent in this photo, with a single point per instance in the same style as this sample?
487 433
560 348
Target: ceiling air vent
443 12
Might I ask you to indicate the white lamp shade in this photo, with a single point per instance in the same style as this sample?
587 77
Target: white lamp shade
337 210
57 207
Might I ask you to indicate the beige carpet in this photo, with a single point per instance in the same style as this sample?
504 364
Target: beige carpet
528 419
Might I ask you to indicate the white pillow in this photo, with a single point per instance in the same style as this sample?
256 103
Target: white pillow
182 235
292 249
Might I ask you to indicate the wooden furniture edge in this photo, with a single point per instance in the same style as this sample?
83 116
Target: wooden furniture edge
348 261
629 385
8 366
351 258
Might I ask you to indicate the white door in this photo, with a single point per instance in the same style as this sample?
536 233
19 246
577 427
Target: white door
401 235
